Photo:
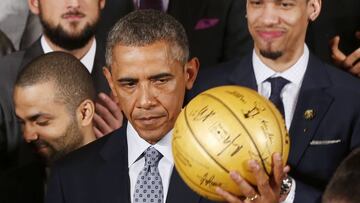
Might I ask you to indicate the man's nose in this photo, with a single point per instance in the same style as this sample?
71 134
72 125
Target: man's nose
146 97
269 14
29 133
73 3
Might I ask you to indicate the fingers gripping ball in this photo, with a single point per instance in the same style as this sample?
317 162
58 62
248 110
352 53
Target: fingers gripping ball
219 131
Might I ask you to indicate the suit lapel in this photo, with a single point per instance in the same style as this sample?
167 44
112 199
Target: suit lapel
32 52
114 169
313 97
179 191
99 79
243 74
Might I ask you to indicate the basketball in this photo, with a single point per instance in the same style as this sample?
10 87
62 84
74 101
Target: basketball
220 130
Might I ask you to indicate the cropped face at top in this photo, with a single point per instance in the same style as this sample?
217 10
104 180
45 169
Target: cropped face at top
278 27
75 19
47 123
149 86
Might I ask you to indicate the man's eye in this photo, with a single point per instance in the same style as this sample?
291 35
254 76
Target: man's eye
255 3
161 80
42 123
286 4
128 84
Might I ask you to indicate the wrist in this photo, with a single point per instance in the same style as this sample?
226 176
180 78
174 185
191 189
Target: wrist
285 187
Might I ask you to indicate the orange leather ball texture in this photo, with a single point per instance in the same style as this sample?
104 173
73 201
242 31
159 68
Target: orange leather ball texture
220 130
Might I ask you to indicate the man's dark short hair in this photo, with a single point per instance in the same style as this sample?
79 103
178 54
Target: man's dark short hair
72 80
145 27
344 186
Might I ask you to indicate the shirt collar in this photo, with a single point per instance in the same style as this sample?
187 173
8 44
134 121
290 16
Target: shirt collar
137 145
294 74
87 60
164 2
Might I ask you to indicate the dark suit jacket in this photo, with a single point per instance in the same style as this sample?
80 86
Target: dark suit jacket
14 155
24 183
98 172
224 34
336 18
335 98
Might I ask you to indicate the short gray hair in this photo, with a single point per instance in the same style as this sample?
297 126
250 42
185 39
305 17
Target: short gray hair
145 27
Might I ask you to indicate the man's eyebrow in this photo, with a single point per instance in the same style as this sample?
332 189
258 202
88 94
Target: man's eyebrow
279 1
127 79
160 75
32 117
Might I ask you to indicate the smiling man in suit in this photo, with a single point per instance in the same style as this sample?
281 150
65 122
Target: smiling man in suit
320 103
148 72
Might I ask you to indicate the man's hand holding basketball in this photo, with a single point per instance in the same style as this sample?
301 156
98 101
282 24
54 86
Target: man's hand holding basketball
268 188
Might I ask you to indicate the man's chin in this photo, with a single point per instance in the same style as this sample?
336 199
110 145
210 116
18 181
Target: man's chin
273 55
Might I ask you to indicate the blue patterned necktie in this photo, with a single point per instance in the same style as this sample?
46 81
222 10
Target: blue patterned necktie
148 187
277 84
151 4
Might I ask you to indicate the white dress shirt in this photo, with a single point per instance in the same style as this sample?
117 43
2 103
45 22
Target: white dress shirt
289 94
136 146
165 4
87 60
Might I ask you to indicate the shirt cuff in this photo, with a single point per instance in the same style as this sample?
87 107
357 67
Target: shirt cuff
291 196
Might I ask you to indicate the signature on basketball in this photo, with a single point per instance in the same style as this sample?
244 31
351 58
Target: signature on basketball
238 95
208 181
203 114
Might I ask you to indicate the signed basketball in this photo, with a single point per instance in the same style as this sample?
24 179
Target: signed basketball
220 130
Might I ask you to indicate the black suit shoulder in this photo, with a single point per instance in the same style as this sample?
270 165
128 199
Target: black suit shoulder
343 80
89 153
96 172
214 76
10 67
9 133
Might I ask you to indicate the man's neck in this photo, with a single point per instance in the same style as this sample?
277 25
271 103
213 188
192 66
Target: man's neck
88 135
282 63
78 53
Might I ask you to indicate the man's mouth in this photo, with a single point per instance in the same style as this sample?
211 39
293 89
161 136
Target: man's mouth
73 16
270 35
149 120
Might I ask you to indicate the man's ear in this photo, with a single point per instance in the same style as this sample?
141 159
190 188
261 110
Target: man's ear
102 3
85 112
191 71
107 73
34 6
314 8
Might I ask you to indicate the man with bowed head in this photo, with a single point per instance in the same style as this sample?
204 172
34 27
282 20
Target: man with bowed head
68 26
148 72
54 104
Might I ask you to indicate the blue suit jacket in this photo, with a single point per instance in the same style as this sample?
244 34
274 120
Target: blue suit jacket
335 98
98 172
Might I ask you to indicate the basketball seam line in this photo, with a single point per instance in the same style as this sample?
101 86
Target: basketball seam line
239 121
192 133
203 189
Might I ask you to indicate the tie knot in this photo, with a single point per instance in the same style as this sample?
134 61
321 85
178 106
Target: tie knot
152 157
277 84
